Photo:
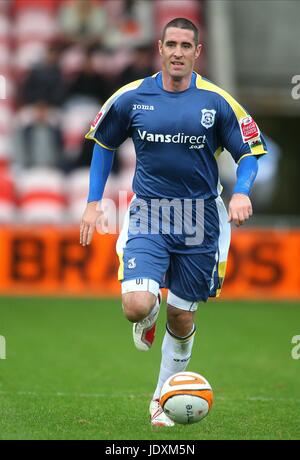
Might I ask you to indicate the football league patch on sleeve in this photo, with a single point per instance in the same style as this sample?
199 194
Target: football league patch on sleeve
97 118
249 129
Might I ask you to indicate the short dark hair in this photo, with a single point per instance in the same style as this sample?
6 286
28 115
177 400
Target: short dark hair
182 23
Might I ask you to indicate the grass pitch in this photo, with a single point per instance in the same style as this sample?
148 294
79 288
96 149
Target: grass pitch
72 372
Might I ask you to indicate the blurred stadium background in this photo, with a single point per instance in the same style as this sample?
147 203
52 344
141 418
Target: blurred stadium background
59 61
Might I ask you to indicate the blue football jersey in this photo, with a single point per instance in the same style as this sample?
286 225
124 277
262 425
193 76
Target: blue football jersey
177 135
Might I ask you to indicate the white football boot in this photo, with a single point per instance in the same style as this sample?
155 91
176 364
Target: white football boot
157 415
144 331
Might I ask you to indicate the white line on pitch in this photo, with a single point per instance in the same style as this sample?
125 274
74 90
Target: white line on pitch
137 395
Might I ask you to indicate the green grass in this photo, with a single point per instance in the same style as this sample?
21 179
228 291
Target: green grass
72 371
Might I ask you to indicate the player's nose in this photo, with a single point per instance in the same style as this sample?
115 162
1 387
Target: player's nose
178 52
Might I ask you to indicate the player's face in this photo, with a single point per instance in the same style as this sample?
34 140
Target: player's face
179 52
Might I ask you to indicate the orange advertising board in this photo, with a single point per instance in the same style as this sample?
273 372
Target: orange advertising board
263 263
49 260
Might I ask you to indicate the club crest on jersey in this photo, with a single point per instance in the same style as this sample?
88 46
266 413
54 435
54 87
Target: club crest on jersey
131 263
208 118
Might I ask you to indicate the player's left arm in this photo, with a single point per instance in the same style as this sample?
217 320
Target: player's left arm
240 207
241 136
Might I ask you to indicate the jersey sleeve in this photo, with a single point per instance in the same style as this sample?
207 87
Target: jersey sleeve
111 126
110 129
239 133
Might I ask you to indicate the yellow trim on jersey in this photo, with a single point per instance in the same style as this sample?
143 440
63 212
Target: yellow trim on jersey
107 105
89 135
259 151
239 111
121 267
222 269
100 143
130 86
221 275
218 152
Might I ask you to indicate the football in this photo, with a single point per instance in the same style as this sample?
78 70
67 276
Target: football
186 397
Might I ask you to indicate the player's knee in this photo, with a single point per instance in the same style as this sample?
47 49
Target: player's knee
137 305
180 322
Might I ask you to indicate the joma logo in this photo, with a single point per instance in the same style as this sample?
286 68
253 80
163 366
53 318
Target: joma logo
142 107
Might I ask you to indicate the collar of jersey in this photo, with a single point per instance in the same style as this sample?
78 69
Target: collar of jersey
158 78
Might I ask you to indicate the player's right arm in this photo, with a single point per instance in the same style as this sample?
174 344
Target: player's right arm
109 130
99 171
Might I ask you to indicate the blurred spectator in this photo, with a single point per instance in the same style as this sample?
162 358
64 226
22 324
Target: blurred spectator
85 157
76 119
267 177
141 66
44 83
266 180
131 23
89 83
83 20
38 140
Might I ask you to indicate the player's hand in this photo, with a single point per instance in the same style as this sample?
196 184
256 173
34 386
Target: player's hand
91 215
240 209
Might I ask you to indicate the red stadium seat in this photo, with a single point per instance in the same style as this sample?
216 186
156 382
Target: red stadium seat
29 54
41 196
77 191
35 24
5 8
166 10
5 57
7 197
76 121
6 117
5 28
49 5
72 60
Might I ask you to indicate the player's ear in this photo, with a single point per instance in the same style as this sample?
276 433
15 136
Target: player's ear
198 51
160 47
